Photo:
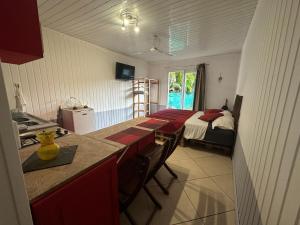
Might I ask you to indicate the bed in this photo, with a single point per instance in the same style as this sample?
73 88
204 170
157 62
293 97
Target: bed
196 130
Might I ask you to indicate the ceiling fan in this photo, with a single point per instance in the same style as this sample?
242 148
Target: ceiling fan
155 47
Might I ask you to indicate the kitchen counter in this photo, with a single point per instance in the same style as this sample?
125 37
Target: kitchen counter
90 152
92 149
105 132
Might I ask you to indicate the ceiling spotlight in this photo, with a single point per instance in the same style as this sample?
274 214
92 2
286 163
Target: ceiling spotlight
126 22
129 18
123 26
137 29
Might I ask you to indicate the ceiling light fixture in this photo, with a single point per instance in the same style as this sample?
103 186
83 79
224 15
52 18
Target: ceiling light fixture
123 26
129 17
137 28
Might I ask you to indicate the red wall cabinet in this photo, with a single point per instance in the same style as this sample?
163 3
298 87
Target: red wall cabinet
20 33
90 199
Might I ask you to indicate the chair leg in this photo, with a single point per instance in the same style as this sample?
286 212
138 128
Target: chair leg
130 218
161 186
158 205
170 171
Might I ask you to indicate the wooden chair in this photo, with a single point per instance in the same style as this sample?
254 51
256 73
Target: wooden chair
157 154
132 175
174 142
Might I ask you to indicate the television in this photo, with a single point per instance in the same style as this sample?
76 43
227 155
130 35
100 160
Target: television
124 72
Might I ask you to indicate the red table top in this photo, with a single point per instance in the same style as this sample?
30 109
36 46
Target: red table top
153 124
129 136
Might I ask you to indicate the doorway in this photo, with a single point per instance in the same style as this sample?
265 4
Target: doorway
181 89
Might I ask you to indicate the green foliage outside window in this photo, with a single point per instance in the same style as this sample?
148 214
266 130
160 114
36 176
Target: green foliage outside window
176 80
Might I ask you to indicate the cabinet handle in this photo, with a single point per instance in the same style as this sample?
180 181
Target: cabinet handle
84 114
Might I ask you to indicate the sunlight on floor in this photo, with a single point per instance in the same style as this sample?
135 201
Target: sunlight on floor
202 195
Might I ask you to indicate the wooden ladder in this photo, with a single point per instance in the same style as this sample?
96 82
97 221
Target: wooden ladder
141 88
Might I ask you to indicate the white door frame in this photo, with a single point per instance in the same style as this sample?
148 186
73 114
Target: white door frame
183 85
14 204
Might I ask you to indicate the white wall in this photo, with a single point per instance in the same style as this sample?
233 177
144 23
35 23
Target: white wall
267 158
216 92
14 203
72 67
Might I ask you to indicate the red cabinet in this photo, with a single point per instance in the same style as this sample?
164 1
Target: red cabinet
90 199
20 34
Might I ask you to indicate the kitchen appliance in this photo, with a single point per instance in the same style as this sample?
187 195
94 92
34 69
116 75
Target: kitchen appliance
30 138
27 122
79 120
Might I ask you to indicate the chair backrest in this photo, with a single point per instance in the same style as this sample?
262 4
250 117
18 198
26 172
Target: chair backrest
175 140
157 155
132 177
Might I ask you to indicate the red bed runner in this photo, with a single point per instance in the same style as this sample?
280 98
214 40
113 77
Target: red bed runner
129 136
176 117
153 124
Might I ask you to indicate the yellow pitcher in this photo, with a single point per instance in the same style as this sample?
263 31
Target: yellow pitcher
48 150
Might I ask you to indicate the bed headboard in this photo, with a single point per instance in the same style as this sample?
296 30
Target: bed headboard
236 110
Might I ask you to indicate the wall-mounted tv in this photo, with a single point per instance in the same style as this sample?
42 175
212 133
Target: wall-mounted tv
124 72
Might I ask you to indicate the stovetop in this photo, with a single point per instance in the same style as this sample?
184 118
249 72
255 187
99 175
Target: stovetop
27 122
28 139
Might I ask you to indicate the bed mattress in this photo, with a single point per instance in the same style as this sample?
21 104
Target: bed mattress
195 128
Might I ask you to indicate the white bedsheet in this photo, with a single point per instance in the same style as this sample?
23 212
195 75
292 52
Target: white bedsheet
195 128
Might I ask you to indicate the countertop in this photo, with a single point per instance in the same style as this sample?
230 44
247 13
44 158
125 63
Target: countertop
92 149
90 152
105 132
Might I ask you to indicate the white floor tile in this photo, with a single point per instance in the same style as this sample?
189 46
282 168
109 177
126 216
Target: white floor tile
187 169
176 207
215 165
227 218
207 197
225 182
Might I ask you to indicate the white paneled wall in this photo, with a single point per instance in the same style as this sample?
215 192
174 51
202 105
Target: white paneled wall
72 67
267 158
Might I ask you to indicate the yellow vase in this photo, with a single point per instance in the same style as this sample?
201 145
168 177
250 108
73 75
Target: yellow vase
48 150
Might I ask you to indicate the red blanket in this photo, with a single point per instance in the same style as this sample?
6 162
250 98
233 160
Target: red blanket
176 117
153 124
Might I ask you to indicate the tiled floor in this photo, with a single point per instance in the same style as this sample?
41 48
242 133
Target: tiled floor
202 195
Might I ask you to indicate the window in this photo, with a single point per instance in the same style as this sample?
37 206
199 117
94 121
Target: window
181 89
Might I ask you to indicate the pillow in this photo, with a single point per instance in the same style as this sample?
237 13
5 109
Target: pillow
227 113
213 111
210 116
224 122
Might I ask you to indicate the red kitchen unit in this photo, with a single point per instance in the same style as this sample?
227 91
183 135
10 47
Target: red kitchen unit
20 32
90 199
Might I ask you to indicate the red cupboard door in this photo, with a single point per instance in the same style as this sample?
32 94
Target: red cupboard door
20 33
91 199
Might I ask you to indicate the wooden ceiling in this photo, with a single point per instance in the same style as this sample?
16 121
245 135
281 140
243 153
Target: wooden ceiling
186 28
